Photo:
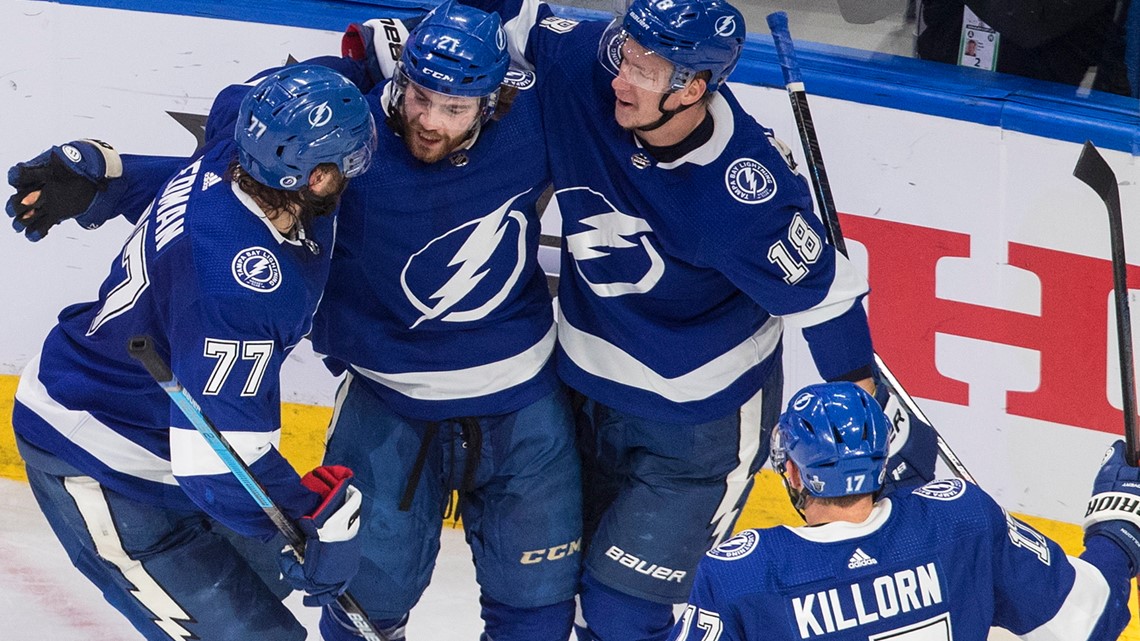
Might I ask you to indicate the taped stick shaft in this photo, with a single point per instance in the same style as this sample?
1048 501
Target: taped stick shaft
793 80
1094 171
141 348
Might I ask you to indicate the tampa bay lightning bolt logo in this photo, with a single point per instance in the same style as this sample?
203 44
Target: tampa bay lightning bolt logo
257 268
476 277
737 547
321 115
725 25
613 255
942 489
520 79
750 182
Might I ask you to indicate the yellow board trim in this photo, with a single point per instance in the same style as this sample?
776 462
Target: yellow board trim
303 429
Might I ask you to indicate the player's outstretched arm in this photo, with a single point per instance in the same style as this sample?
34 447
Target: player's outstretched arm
87 180
78 180
1042 593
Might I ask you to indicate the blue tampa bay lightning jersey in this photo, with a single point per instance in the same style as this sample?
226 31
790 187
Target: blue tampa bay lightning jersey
225 298
944 562
435 296
676 277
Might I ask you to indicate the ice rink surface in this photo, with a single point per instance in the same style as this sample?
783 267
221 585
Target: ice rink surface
44 598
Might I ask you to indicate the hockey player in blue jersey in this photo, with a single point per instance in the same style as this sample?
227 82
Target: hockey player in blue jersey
689 242
439 312
941 562
224 271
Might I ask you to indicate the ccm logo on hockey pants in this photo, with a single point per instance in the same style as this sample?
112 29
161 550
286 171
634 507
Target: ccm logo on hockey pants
552 554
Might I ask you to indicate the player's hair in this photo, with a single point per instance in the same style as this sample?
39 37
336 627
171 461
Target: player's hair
278 201
507 95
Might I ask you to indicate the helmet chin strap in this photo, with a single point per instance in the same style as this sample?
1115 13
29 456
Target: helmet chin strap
798 497
666 114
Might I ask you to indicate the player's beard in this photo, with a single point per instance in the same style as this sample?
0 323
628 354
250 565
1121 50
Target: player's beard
435 147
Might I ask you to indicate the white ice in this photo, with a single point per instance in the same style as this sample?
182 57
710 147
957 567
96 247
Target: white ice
44 598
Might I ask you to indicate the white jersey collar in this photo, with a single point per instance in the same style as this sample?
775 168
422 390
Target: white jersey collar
250 204
723 127
845 530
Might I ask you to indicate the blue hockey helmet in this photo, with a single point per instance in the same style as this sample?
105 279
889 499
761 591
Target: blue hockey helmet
693 35
837 435
457 51
300 117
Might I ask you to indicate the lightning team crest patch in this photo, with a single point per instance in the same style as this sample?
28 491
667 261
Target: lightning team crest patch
942 489
737 547
257 268
750 182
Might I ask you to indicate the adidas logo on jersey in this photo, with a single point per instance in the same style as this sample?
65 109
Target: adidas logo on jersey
860 560
210 179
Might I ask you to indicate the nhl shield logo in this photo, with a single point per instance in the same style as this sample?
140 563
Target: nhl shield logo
257 268
750 182
737 547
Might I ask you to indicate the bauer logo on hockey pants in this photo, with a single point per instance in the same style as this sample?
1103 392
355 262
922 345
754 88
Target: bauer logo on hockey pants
645 567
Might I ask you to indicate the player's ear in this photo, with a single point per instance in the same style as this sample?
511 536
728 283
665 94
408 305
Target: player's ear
792 473
324 179
694 91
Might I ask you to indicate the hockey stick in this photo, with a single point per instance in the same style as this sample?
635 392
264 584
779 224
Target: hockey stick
141 348
1093 171
793 80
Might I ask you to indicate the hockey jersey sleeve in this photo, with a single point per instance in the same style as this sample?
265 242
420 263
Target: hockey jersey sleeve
522 20
228 354
1041 594
780 259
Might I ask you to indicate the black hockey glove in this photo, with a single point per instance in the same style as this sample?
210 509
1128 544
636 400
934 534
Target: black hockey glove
913 443
74 180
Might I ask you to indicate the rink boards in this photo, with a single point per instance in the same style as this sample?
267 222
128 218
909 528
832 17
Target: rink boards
988 261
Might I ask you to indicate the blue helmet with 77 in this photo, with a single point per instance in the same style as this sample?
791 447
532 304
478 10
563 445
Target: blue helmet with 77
694 36
836 435
298 118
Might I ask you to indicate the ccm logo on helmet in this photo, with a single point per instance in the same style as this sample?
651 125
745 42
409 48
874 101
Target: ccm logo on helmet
320 115
438 75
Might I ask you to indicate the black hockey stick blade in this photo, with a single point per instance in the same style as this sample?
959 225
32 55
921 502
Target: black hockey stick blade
1095 172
